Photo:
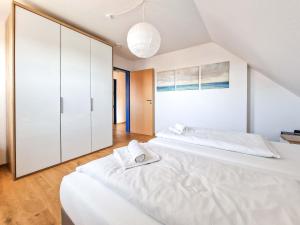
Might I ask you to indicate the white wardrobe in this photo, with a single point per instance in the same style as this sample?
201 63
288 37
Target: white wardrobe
62 93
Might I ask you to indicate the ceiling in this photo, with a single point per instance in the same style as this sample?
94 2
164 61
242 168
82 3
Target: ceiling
176 20
265 33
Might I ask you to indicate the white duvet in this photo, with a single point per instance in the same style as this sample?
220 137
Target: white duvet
189 189
246 143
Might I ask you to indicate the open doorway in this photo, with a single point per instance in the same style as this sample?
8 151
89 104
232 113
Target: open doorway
121 117
133 102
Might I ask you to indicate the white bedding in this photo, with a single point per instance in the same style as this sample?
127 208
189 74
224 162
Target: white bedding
185 188
88 202
246 143
287 165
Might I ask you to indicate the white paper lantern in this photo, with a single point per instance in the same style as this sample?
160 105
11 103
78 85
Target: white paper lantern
143 40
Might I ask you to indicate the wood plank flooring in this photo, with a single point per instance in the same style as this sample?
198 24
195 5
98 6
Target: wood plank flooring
34 199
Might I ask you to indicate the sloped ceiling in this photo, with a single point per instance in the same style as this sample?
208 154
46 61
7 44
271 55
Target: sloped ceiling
265 33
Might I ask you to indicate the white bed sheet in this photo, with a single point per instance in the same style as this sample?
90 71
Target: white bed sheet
88 202
287 165
185 188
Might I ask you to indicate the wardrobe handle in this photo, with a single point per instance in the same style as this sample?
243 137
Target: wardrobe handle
92 104
61 105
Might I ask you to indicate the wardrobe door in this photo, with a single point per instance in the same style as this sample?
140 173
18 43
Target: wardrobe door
101 93
37 92
75 93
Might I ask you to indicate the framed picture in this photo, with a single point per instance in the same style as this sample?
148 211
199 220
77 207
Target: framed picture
165 81
187 79
215 76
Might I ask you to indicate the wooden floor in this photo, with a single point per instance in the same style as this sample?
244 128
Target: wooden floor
34 199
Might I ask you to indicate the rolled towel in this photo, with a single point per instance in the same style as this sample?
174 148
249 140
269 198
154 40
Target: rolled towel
180 127
123 157
137 152
174 130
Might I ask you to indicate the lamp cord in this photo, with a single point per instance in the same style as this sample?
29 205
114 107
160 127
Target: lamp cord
139 3
144 11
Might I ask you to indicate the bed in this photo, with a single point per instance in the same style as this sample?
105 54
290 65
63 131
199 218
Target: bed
86 201
191 183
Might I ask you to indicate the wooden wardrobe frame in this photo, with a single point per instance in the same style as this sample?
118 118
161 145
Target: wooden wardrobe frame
10 72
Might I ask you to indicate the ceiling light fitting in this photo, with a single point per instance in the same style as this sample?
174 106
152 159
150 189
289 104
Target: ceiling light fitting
143 39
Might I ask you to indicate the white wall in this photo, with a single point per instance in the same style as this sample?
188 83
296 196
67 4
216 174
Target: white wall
272 107
120 76
5 6
122 63
219 108
2 95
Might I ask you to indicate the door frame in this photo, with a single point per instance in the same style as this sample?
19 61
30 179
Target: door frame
153 95
115 100
127 80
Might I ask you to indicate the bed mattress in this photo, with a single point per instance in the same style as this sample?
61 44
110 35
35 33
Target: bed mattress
88 199
88 202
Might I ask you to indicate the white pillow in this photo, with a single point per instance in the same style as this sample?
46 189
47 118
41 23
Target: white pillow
246 143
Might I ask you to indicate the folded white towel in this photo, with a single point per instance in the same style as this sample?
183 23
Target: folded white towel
180 127
136 151
174 130
123 156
